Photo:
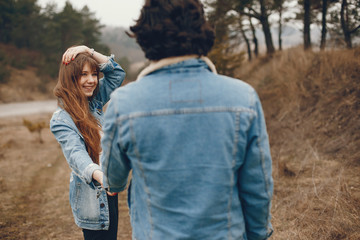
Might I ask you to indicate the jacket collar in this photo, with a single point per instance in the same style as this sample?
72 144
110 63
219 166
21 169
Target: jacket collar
156 65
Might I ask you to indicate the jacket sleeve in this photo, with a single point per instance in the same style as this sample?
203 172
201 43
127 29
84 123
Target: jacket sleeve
255 180
114 75
115 164
74 150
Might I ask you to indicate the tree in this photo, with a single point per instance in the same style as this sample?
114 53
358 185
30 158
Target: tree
307 22
349 17
91 31
243 33
344 21
7 11
255 41
67 28
259 10
70 27
48 32
225 53
320 7
24 30
323 24
279 6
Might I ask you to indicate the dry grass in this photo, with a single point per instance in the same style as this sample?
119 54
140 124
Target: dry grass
312 105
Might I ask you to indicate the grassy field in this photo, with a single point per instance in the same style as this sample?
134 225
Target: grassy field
312 107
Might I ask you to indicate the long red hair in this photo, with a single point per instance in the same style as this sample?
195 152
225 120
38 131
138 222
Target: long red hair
73 100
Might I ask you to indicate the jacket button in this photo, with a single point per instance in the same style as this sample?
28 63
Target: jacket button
102 205
102 225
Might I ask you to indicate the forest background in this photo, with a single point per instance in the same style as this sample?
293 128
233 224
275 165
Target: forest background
309 84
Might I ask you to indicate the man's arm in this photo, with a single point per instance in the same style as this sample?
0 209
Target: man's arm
115 164
255 180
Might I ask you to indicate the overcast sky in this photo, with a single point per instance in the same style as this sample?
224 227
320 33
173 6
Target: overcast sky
109 12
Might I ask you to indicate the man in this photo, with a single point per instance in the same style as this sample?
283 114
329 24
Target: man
196 142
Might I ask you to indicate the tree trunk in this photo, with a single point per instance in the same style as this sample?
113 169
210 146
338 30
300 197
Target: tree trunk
266 28
255 41
307 22
323 22
246 40
344 18
280 27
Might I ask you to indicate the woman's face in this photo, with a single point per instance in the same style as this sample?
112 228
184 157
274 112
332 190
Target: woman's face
88 80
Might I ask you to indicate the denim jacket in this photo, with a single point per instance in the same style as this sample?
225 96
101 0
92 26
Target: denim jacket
88 201
198 148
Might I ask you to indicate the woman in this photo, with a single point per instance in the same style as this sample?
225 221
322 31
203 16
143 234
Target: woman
77 127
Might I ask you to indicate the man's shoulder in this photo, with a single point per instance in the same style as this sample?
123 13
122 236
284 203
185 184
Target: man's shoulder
234 82
125 98
233 88
127 89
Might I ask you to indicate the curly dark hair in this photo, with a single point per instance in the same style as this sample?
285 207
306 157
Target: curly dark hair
168 28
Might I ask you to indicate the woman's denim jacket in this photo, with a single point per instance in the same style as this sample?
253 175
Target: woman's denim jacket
88 201
198 149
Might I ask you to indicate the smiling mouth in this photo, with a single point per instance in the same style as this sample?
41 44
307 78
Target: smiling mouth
89 88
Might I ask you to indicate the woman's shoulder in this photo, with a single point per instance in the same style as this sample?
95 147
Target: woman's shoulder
60 116
59 113
61 120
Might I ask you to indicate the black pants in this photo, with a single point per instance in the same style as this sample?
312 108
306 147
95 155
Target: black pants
110 234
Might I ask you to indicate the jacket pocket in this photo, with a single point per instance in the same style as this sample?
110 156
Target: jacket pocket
84 201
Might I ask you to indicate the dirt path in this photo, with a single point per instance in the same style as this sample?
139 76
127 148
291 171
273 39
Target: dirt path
26 108
34 184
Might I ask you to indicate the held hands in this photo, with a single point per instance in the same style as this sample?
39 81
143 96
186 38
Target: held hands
98 176
72 52
111 194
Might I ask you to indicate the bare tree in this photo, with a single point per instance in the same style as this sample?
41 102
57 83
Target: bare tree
323 24
307 22
259 10
346 23
279 7
255 40
243 33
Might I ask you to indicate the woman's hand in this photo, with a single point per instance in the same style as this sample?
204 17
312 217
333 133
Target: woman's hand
72 52
98 176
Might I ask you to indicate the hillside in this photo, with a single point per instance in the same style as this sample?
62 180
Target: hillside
20 75
122 45
312 107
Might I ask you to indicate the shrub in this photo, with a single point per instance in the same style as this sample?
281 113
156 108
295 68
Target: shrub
4 74
35 127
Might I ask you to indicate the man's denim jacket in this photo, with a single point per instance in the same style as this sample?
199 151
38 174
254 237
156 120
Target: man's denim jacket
88 202
198 148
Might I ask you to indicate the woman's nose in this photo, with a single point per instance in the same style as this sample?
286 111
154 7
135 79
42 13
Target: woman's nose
92 79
